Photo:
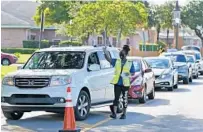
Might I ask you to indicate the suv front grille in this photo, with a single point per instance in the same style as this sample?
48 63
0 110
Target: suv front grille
32 82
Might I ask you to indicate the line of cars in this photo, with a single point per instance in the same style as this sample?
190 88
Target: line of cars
40 84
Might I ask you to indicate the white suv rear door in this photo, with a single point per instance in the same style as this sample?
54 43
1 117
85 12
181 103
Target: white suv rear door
95 80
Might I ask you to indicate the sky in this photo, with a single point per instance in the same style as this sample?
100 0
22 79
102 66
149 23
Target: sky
181 2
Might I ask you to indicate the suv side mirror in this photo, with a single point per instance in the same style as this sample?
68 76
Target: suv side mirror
19 67
94 67
148 70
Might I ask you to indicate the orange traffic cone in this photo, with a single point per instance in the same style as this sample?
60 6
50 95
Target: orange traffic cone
69 117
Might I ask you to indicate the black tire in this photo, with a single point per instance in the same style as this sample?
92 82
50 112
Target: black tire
87 108
195 76
190 79
144 97
186 80
4 61
152 94
175 86
13 115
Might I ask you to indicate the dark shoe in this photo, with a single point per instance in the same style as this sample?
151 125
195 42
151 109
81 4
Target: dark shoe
113 116
123 116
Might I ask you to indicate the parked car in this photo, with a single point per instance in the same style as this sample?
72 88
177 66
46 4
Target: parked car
166 75
42 82
180 63
142 84
198 58
191 47
7 59
192 61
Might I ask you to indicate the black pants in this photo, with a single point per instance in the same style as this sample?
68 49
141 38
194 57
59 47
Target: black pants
117 92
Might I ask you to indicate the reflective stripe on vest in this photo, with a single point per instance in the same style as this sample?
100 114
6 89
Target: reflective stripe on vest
126 69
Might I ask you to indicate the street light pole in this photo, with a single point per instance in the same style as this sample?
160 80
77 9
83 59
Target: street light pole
143 45
176 22
41 27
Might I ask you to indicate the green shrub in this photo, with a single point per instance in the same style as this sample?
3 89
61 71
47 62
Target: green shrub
35 44
149 47
17 54
67 43
18 50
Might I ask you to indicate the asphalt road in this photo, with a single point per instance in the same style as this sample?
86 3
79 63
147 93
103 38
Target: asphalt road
177 111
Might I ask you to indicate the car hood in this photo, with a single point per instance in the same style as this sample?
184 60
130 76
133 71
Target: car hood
160 71
41 73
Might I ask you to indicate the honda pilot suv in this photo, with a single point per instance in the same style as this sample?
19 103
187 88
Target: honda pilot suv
40 85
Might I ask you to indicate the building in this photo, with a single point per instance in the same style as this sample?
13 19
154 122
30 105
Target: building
17 24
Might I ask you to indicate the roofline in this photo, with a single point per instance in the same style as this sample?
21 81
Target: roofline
26 26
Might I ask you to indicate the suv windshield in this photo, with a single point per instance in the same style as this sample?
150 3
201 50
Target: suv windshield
158 63
177 58
56 60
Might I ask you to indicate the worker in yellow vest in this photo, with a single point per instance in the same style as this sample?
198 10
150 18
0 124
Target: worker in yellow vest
121 79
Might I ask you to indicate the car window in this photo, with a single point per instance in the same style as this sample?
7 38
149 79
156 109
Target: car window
198 56
93 59
137 65
177 57
102 59
56 60
190 59
158 63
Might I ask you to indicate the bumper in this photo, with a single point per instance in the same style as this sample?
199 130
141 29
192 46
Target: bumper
36 97
135 92
163 82
32 108
181 76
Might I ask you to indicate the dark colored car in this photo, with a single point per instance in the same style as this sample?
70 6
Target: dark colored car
7 59
143 82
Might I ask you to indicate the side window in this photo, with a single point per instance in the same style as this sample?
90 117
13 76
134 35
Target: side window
146 65
93 59
103 62
114 54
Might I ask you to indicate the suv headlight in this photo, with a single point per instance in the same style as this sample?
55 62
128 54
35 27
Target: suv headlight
60 80
8 81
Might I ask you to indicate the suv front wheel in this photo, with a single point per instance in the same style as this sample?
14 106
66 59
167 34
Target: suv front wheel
82 108
13 115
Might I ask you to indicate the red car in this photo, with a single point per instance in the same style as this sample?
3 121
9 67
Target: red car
7 59
143 81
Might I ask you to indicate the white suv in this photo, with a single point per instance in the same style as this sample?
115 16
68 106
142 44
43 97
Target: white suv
40 85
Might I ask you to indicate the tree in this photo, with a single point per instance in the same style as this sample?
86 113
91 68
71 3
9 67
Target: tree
192 16
111 17
167 17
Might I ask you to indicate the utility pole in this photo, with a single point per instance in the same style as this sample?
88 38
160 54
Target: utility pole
41 27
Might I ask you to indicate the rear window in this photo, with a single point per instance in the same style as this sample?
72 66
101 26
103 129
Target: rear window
177 58
191 48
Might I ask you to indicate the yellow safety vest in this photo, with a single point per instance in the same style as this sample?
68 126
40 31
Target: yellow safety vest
117 73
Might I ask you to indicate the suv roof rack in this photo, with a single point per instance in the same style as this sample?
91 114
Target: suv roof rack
103 45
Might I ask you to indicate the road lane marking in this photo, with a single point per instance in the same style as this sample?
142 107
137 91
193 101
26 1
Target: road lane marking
97 124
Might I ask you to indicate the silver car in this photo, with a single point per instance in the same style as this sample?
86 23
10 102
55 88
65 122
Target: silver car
180 63
192 61
198 58
166 75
